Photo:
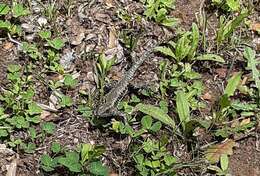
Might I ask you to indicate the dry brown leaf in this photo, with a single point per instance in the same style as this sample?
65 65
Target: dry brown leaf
214 152
255 27
245 122
113 42
8 45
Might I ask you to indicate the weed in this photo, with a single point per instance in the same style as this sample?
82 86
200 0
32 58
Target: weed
103 65
227 27
158 10
87 158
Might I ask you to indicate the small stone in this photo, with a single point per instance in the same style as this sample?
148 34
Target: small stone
42 21
27 27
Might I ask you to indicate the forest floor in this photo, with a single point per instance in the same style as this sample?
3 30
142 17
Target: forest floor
192 107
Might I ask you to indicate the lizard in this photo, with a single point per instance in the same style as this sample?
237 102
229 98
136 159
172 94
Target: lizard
108 108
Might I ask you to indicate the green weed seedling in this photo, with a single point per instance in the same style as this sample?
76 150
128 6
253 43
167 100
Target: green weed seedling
103 66
223 169
185 48
53 57
16 10
228 5
82 161
152 158
18 111
158 11
227 27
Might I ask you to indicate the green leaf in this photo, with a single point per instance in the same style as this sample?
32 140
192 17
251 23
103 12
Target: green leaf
233 82
66 101
5 25
71 161
48 127
156 113
28 148
169 160
156 127
19 10
47 163
170 22
12 68
182 47
69 81
250 55
183 108
45 34
195 41
32 132
86 152
3 133
210 57
165 50
234 5
34 109
56 43
224 162
97 168
147 122
4 9
55 147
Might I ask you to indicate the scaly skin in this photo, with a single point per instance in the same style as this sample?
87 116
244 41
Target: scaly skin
110 100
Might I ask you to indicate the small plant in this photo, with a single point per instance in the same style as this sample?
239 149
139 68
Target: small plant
227 27
18 112
153 159
16 10
86 160
228 5
103 65
158 10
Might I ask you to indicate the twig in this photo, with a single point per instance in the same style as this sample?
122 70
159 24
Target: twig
13 40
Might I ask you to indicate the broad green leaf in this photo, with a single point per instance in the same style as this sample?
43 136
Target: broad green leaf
4 9
156 127
47 163
232 25
156 113
19 10
34 109
147 122
182 47
97 168
250 54
233 82
183 108
71 161
195 41
170 22
234 5
55 147
165 50
86 151
45 34
210 57
48 127
5 25
56 43
224 162
13 68
70 81
66 101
